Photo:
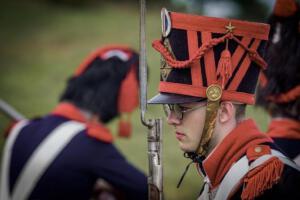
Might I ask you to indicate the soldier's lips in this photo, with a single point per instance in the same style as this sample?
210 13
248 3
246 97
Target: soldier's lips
180 136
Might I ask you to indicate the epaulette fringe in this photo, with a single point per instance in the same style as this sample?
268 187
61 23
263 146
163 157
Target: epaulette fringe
262 178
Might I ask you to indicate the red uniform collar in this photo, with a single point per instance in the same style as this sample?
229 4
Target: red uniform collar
284 128
232 148
95 130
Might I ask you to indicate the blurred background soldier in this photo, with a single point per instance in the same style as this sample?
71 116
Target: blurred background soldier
210 67
279 93
62 155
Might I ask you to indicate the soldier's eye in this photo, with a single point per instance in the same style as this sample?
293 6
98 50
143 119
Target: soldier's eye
183 108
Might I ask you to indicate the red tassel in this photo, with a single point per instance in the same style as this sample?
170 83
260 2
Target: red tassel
124 129
225 67
262 178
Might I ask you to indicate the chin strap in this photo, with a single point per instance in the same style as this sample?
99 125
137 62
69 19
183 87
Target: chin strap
214 94
195 159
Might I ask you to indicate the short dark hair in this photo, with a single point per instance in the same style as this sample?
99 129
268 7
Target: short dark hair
240 111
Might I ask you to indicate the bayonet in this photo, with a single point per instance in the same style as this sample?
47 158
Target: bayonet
155 177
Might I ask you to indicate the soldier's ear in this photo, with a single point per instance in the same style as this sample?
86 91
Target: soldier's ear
226 112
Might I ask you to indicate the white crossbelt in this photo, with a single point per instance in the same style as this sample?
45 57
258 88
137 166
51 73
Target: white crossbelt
4 193
240 169
297 160
39 161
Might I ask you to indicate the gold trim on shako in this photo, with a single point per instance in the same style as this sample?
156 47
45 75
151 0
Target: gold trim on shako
165 69
166 22
214 92
229 28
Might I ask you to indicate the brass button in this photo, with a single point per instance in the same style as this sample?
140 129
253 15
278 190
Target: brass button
258 149
214 92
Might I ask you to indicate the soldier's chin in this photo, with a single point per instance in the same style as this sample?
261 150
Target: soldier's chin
185 148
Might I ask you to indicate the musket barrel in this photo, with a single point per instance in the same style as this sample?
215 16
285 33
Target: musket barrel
155 178
143 62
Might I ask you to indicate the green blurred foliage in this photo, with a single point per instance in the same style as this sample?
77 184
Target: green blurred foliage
42 44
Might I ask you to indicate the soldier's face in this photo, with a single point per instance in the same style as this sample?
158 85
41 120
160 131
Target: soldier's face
188 130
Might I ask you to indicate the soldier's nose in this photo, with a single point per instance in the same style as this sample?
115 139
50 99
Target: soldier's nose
172 119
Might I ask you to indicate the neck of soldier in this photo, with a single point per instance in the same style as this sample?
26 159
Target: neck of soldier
89 116
221 130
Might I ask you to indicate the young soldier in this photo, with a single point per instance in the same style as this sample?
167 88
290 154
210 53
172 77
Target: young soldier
64 154
209 71
280 94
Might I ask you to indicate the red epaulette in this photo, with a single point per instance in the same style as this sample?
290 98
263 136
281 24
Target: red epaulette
263 176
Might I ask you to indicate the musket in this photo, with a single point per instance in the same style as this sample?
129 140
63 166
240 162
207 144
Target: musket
155 176
10 112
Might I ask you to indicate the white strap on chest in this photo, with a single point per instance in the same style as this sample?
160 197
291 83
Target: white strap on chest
279 155
205 193
240 169
4 191
42 157
297 160
232 178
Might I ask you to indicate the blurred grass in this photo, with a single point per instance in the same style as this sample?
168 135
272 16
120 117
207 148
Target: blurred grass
42 44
